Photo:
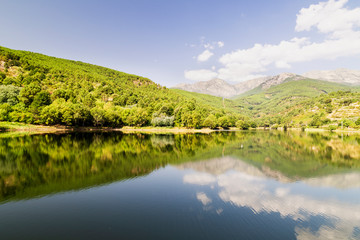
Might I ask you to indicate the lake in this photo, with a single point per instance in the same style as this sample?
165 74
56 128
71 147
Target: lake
224 185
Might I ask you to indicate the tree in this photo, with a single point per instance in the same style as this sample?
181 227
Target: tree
28 93
98 115
210 122
242 125
224 122
9 94
41 99
357 121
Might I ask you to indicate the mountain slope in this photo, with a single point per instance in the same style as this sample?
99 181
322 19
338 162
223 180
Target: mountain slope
215 87
275 99
341 75
220 88
39 89
216 102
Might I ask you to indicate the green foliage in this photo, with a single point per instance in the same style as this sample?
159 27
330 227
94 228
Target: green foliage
283 97
242 125
357 122
347 123
224 122
59 91
9 94
210 122
332 127
47 90
162 121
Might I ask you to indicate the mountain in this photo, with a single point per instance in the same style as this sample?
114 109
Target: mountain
249 84
215 87
341 75
220 88
39 89
270 99
211 100
279 79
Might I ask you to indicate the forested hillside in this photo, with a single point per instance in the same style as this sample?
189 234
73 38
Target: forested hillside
297 103
39 89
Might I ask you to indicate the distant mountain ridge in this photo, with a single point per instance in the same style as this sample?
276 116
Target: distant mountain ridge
341 75
216 87
220 88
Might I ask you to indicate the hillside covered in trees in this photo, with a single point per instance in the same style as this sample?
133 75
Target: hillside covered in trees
39 89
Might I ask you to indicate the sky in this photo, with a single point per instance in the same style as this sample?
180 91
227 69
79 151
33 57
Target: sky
184 41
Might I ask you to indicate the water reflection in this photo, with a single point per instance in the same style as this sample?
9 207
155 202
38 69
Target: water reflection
226 185
244 185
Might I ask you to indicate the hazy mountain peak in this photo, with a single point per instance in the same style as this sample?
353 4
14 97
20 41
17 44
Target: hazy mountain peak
221 88
340 75
278 79
216 87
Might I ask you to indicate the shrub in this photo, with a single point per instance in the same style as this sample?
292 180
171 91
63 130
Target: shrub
162 121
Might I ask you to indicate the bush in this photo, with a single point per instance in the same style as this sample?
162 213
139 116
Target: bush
9 94
358 122
224 122
210 122
162 121
332 127
242 125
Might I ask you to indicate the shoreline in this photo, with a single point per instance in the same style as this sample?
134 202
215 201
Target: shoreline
29 128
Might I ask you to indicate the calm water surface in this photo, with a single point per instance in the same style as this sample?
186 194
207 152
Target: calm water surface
229 185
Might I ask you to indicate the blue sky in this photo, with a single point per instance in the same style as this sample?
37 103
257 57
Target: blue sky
173 42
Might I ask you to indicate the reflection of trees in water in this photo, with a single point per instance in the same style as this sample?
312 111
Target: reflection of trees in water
41 164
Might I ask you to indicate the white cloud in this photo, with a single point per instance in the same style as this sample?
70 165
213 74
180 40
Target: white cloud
328 17
203 198
208 46
204 56
220 44
199 179
247 186
200 75
338 24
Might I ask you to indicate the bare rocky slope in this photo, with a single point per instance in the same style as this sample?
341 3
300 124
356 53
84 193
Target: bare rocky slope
220 88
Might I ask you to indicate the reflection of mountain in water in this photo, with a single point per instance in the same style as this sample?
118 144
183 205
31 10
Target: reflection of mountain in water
218 166
244 185
37 165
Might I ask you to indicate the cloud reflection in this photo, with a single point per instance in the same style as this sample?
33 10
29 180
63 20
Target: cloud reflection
244 185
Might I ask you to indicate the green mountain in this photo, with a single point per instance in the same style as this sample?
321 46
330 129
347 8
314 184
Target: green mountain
216 102
276 99
39 89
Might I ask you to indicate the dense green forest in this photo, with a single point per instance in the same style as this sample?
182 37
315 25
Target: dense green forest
39 89
34 165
